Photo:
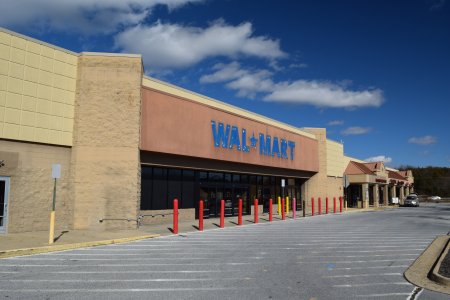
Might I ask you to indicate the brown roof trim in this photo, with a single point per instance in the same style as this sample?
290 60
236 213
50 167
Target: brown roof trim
396 175
363 168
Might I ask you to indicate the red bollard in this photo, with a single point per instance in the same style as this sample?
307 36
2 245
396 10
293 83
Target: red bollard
175 216
334 204
255 211
200 215
283 213
240 212
312 206
294 208
270 210
326 205
340 204
222 213
319 208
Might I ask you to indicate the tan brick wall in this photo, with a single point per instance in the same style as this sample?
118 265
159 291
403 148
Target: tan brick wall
31 186
321 185
105 156
166 216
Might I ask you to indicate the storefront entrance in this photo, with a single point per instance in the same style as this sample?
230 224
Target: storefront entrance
160 185
354 195
4 189
231 194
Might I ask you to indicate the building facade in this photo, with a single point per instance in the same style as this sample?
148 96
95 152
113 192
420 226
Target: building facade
129 144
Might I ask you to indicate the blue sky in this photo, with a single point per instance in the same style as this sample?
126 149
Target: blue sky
376 74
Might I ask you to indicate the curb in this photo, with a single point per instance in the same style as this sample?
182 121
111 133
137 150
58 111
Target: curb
434 274
418 273
47 249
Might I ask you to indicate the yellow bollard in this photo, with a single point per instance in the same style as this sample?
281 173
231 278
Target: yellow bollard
51 236
279 206
287 205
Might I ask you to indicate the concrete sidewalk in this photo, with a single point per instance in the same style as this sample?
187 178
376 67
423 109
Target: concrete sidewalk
16 244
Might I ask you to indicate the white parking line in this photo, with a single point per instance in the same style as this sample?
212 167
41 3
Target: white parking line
370 284
362 275
126 280
368 251
130 265
356 247
111 259
376 267
85 290
382 295
353 261
360 243
374 255
125 272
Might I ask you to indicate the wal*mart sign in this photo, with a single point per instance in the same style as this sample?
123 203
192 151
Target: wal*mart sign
230 137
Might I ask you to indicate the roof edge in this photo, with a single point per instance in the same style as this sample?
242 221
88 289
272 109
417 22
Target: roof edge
112 54
2 29
202 99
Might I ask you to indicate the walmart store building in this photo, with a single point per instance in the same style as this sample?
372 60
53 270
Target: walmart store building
128 144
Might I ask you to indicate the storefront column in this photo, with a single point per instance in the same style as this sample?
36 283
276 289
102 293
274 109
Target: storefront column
393 191
402 194
408 191
365 195
376 199
385 195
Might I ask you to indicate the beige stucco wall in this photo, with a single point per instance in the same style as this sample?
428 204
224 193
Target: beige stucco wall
37 90
29 167
105 154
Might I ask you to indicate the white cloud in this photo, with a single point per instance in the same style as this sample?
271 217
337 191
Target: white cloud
86 16
248 83
298 66
324 94
224 72
335 123
423 140
385 159
436 4
356 130
176 46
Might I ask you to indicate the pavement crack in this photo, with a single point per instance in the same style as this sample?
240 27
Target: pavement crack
415 293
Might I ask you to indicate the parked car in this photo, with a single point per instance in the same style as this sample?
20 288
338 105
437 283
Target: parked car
435 198
412 201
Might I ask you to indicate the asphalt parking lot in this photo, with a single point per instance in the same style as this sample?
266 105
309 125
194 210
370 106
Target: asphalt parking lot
349 256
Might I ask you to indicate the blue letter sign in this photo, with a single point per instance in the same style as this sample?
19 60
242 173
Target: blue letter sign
228 137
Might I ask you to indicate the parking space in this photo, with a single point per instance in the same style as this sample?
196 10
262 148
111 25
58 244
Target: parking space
357 255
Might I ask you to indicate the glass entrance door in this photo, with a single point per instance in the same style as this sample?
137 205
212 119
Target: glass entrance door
241 193
4 189
229 205
294 192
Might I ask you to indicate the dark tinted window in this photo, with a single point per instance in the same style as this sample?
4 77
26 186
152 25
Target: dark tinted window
215 177
159 198
174 187
203 176
188 189
236 178
227 177
146 188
